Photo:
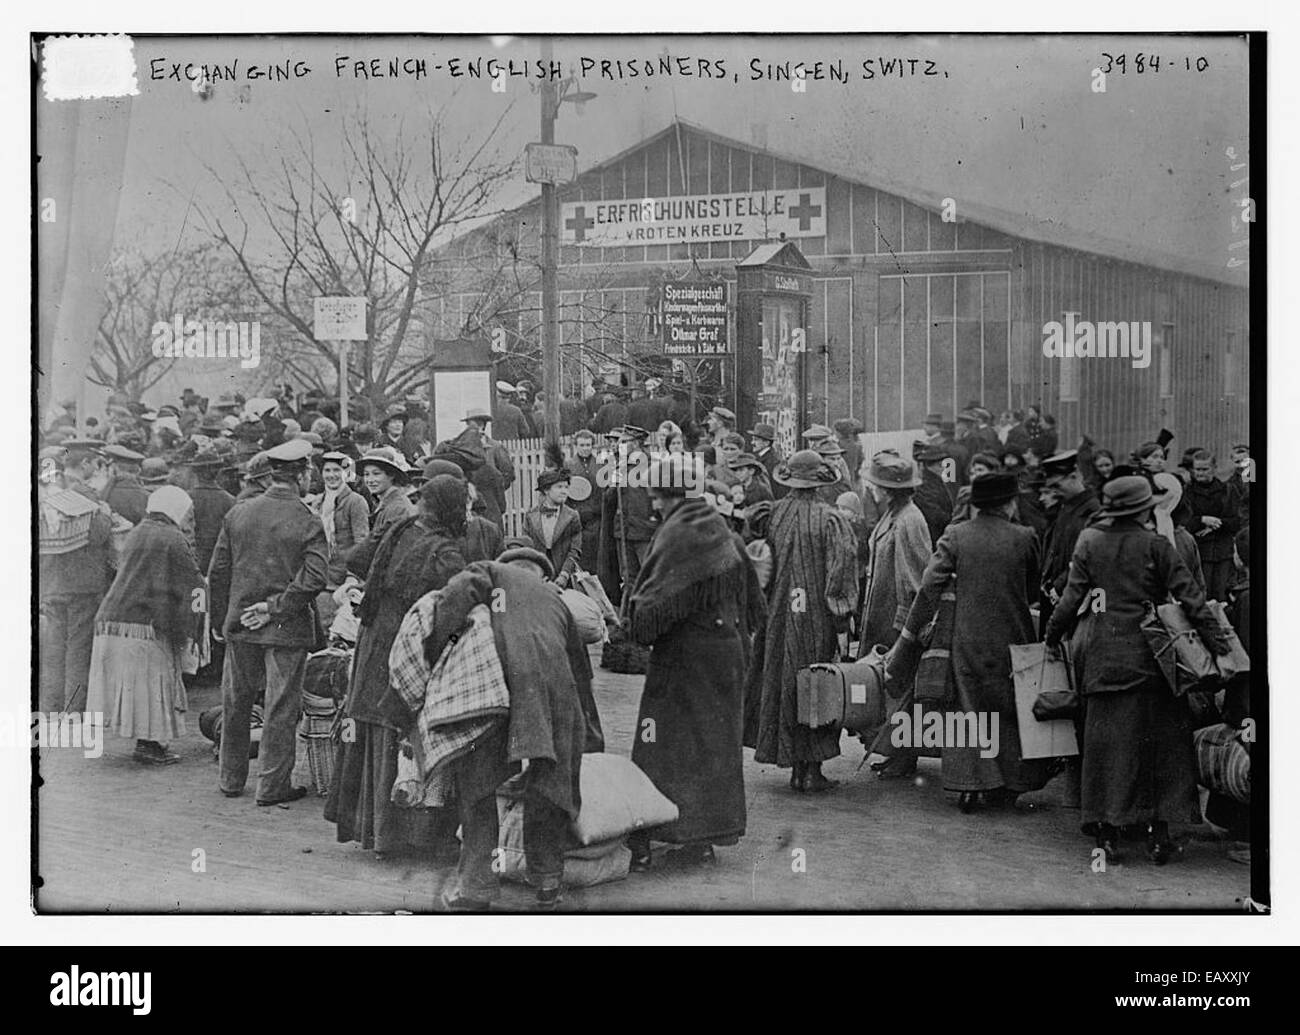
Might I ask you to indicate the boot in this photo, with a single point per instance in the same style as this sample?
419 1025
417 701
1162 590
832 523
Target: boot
814 781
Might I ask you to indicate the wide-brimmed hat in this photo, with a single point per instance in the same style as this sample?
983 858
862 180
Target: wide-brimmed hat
988 490
817 432
746 460
969 416
848 426
766 431
396 412
506 388
527 553
118 452
929 454
891 471
805 470
933 418
154 471
476 413
632 431
389 459
829 447
1129 494
722 413
205 458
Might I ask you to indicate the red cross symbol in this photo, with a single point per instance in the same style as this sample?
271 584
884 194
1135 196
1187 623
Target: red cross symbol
805 211
580 224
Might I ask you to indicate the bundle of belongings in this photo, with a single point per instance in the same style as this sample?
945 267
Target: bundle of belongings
617 798
464 693
325 685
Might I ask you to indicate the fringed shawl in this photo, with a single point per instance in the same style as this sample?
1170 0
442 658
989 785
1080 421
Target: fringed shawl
693 564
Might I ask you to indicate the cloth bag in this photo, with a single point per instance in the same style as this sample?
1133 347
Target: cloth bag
617 798
1236 661
586 615
1222 762
934 680
1183 658
590 585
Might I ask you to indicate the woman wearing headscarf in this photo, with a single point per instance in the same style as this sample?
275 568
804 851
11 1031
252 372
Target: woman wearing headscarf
814 591
1139 765
142 627
1168 490
417 555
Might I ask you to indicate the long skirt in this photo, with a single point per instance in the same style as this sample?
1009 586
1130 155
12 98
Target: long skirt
1139 765
360 799
135 682
689 733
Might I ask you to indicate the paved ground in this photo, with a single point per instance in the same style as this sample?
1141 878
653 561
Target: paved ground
118 837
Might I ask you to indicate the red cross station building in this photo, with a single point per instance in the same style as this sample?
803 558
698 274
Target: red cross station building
849 296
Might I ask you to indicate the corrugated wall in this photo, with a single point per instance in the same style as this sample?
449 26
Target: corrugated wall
1118 405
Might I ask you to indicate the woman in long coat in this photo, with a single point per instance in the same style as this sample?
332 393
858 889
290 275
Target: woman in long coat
346 519
416 556
142 627
995 565
1139 765
384 473
695 602
815 588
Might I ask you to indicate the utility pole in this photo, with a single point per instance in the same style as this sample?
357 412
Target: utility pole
550 260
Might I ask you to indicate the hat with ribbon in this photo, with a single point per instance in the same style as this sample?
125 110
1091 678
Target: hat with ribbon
1129 494
891 471
805 470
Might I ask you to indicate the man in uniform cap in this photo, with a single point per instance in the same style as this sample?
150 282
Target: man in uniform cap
1077 509
269 563
627 520
76 568
124 493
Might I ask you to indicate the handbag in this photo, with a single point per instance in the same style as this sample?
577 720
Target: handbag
1058 702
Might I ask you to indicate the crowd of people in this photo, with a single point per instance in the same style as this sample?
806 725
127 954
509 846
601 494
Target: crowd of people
237 538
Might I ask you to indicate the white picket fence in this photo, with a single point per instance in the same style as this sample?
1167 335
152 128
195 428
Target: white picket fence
529 456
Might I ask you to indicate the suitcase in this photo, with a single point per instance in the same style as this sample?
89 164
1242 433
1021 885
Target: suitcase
850 693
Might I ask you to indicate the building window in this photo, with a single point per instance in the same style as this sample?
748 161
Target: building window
1166 361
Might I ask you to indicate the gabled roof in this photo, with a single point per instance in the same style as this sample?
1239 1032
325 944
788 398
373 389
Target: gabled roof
1044 229
782 253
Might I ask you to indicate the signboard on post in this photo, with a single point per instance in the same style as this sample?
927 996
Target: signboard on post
550 163
693 316
340 319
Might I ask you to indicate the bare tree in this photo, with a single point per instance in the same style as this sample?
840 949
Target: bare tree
368 224
143 289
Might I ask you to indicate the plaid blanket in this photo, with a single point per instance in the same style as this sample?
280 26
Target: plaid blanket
460 697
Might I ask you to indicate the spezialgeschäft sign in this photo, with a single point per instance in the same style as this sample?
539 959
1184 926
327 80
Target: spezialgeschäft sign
694 318
695 218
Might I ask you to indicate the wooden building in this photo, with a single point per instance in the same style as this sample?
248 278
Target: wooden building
917 303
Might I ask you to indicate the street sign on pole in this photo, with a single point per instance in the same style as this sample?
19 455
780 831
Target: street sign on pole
550 163
340 320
